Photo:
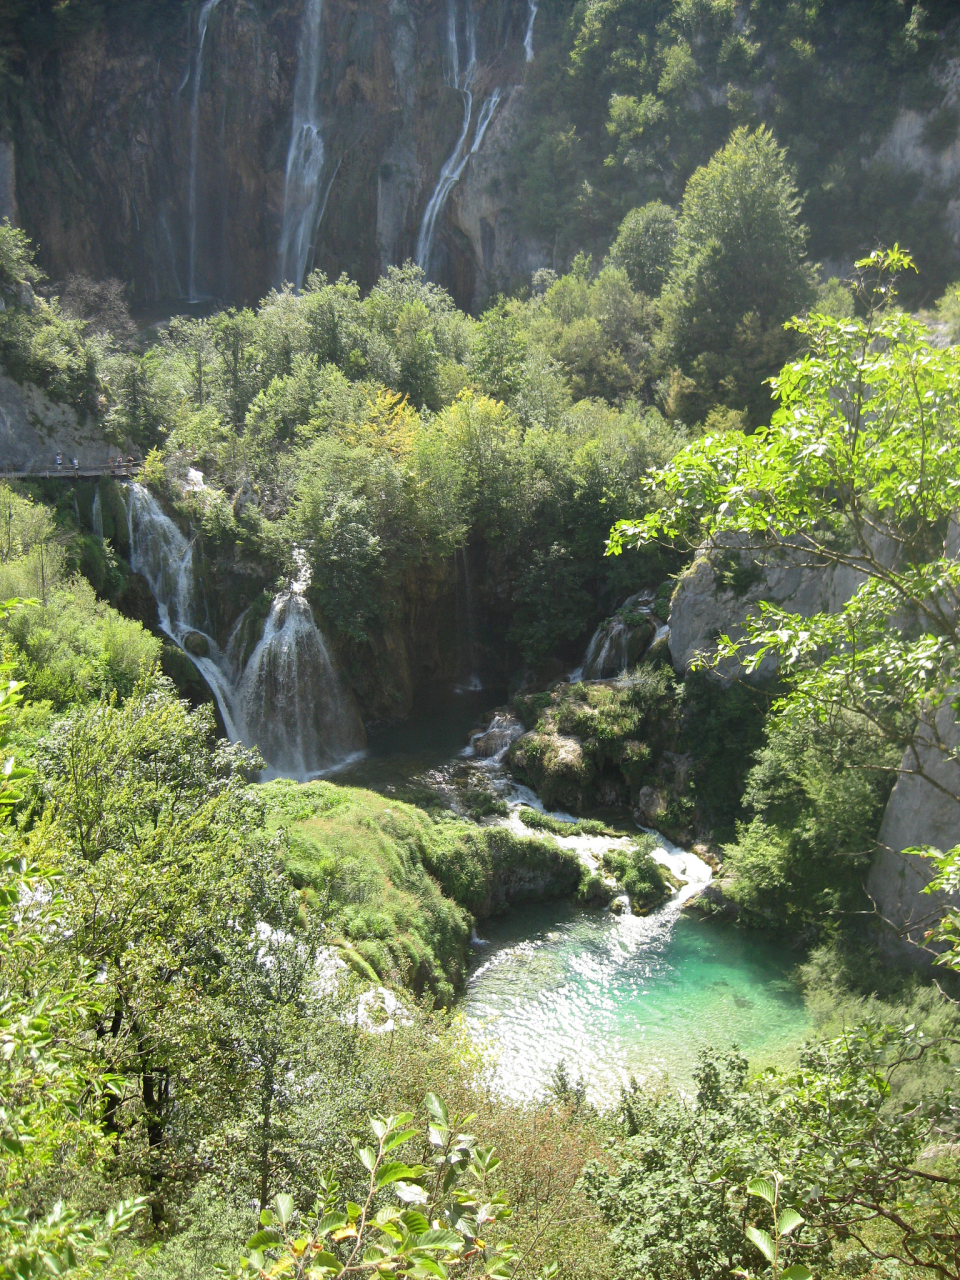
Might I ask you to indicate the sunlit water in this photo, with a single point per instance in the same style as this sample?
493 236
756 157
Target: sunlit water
612 997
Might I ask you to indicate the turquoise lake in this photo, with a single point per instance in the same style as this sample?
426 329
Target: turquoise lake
615 997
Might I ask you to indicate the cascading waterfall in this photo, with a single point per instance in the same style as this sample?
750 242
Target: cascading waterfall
612 648
456 162
96 516
206 9
305 155
287 699
528 38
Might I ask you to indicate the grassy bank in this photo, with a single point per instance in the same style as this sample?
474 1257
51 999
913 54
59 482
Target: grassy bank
401 888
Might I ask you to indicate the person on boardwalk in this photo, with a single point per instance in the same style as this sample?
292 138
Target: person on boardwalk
76 465
59 460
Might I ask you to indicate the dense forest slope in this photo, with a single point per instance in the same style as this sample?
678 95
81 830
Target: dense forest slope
163 144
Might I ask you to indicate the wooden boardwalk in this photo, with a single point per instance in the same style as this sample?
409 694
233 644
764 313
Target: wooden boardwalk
126 472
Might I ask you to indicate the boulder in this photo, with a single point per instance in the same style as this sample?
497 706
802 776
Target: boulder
197 644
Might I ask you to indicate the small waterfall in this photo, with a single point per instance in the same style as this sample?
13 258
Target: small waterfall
456 162
614 647
528 38
287 699
96 516
206 9
301 189
292 702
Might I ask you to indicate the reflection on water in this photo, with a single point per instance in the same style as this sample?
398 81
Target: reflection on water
619 996
399 756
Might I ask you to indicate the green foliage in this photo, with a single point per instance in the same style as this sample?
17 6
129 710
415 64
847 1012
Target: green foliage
445 1204
585 736
399 888
76 648
546 822
679 1187
647 883
645 245
739 273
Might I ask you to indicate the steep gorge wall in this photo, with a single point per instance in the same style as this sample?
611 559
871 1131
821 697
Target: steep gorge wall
109 130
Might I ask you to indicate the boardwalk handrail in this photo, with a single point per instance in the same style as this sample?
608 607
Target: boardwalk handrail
126 471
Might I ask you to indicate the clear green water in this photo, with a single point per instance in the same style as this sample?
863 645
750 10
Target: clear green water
610 996
618 996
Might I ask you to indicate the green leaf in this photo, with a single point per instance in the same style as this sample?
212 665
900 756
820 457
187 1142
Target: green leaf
284 1206
410 1193
324 1261
264 1239
266 1218
788 1221
763 1242
330 1222
437 1111
398 1138
438 1238
762 1187
426 1267
797 1272
394 1170
367 1158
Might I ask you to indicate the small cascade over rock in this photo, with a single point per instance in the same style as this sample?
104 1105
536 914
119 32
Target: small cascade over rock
287 698
96 516
620 641
202 22
305 155
462 81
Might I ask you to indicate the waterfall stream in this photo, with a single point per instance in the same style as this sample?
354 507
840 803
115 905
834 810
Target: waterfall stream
287 698
613 647
305 155
456 162
96 516
528 38
206 9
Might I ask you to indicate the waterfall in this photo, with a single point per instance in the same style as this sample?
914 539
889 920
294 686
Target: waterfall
456 162
528 38
613 648
96 516
473 684
301 189
287 699
206 9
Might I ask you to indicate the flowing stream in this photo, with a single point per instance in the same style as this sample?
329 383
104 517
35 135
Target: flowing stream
528 37
286 698
305 155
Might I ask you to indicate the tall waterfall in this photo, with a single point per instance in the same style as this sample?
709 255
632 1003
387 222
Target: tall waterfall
528 38
473 683
287 699
206 9
454 165
301 189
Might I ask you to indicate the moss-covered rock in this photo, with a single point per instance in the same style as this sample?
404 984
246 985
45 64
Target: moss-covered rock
401 888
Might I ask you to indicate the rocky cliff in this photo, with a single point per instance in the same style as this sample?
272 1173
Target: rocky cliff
176 164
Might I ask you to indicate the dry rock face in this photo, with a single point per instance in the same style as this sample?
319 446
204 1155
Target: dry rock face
919 812
34 429
722 588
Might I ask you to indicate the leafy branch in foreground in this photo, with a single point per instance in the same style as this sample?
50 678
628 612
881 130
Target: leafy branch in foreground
447 1206
785 1221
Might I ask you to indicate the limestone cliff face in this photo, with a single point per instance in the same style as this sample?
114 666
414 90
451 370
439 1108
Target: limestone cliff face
33 430
167 165
921 811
